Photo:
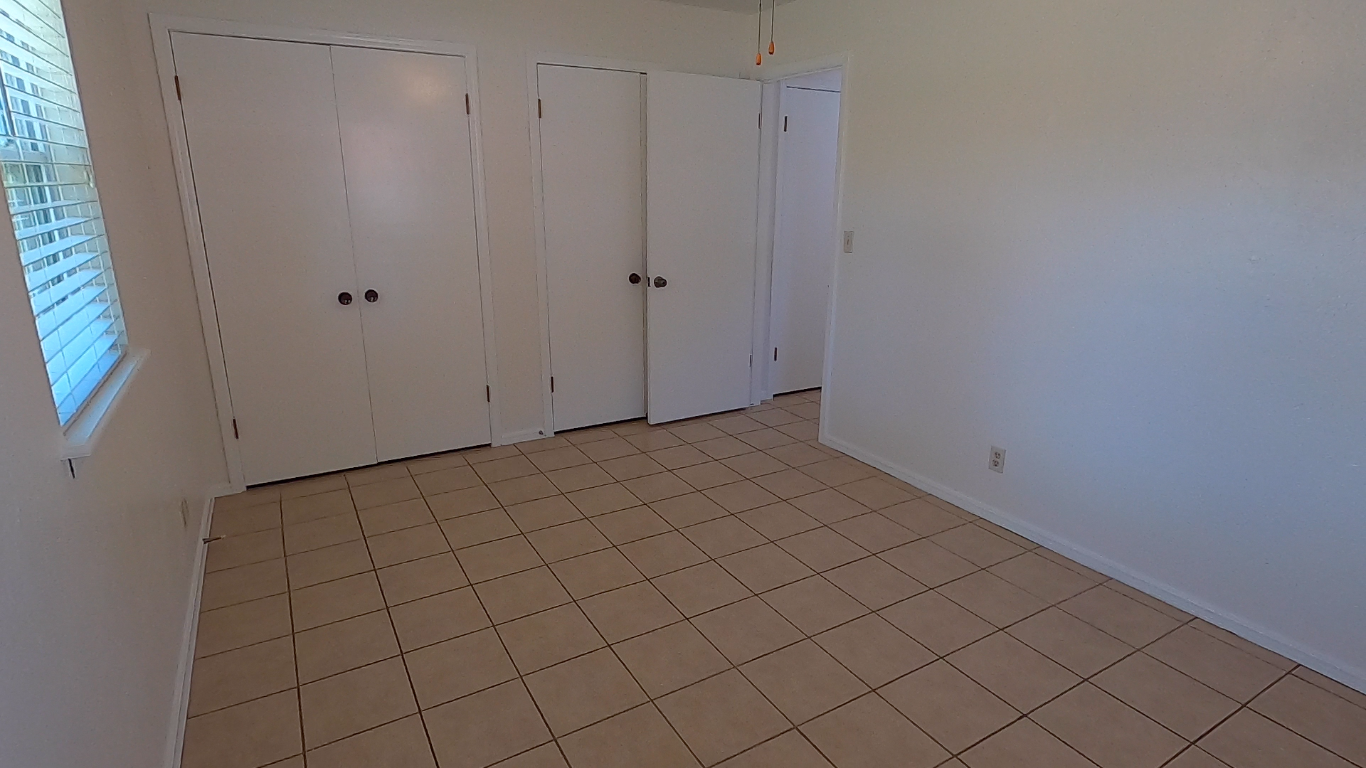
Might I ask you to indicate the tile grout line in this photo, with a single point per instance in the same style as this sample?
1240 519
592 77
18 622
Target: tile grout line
805 636
732 665
715 559
503 643
403 659
648 698
611 646
1083 680
1241 706
673 530
645 579
293 642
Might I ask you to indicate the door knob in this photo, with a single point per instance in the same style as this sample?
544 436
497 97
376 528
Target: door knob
372 296
344 298
634 278
660 282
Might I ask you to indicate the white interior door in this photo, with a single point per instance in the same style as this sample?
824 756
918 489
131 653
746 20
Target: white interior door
702 196
805 241
405 137
592 171
261 125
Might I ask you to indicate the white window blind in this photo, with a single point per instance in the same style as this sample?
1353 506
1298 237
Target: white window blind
51 193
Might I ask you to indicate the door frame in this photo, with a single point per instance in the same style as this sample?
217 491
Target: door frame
162 28
769 160
535 60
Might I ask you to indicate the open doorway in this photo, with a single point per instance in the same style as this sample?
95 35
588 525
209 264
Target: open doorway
801 147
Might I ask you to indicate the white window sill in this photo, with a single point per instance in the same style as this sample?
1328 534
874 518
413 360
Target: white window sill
84 431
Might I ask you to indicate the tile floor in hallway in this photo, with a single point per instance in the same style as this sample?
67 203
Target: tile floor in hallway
725 591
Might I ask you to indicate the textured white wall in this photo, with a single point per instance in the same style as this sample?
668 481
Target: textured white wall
95 571
1124 240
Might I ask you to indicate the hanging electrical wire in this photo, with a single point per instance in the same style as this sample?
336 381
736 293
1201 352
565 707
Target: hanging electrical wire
759 41
772 22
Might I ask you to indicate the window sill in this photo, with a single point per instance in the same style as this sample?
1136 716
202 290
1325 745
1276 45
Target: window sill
84 431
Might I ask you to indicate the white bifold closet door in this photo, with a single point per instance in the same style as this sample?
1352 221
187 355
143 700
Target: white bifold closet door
805 242
323 174
592 175
702 192
410 184
265 147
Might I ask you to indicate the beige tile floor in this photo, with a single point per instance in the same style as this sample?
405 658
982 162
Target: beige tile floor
723 591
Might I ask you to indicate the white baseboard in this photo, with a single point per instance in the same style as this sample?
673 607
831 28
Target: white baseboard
525 435
180 701
1337 670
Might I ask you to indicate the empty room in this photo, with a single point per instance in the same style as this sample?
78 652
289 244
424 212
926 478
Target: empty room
683 383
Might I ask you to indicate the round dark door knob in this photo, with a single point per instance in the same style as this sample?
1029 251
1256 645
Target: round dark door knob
372 296
634 278
344 298
660 282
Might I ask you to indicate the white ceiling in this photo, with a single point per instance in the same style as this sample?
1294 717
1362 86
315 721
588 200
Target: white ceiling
737 6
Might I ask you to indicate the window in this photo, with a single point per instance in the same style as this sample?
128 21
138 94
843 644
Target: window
50 189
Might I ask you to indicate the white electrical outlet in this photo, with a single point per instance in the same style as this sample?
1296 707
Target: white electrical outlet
848 241
997 462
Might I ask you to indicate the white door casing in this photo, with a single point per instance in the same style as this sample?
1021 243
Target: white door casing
592 172
805 239
702 192
409 180
261 126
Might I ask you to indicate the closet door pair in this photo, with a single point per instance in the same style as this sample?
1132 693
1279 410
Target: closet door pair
335 195
649 204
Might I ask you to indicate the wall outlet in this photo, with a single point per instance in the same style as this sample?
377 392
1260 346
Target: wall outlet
848 241
997 462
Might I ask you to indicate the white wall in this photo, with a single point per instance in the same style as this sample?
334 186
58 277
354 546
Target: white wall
504 33
95 571
1123 240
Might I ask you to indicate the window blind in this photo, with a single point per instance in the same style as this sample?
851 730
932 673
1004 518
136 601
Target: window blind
50 188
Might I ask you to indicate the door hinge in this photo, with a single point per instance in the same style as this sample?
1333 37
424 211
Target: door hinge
552 384
775 354
540 110
467 103
751 361
761 120
235 434
488 394
784 123
178 97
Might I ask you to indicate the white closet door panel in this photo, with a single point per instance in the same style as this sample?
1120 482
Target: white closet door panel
702 196
804 249
261 124
592 169
410 180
